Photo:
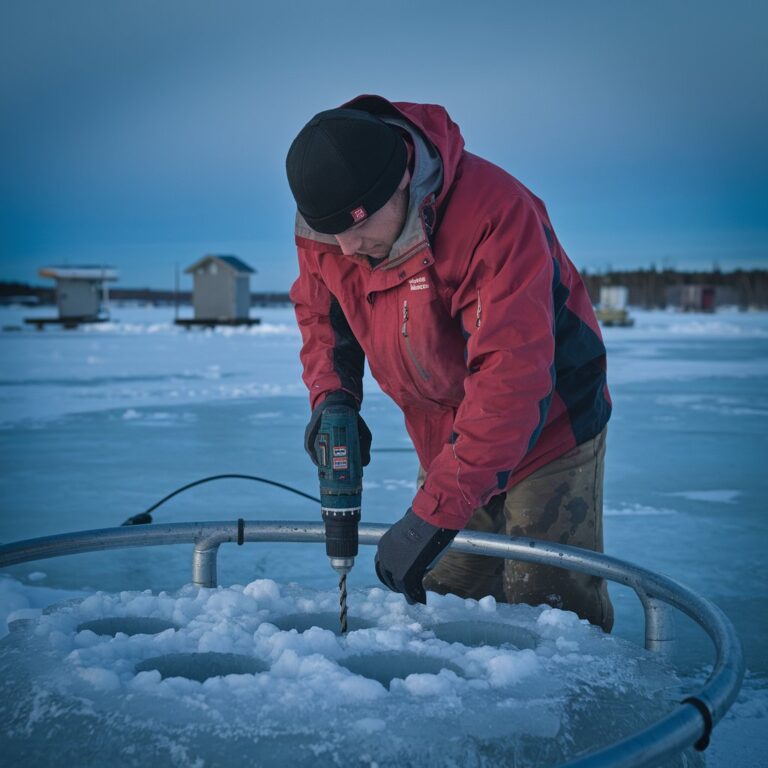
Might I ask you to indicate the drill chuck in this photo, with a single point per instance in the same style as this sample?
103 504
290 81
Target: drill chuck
341 537
341 484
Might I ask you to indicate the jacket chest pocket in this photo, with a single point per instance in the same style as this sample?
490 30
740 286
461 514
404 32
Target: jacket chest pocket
426 336
406 332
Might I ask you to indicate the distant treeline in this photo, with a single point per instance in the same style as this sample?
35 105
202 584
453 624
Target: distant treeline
648 288
25 293
651 288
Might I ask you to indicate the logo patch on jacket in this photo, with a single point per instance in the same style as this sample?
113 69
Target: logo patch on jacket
359 214
418 283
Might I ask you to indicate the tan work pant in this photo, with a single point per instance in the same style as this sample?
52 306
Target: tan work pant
560 502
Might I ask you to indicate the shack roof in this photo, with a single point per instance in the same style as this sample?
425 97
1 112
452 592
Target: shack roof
231 262
93 272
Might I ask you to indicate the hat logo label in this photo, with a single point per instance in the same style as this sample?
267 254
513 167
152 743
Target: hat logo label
359 214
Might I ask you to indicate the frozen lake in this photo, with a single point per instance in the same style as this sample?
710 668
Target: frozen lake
99 423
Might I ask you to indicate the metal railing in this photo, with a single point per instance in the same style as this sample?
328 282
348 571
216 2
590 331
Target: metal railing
689 724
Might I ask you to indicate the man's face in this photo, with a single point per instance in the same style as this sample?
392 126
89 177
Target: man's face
375 236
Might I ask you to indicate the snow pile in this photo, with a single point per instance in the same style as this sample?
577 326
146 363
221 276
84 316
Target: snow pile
20 602
142 679
711 497
638 510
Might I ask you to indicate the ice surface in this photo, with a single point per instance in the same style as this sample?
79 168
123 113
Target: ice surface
139 364
99 423
224 685
716 497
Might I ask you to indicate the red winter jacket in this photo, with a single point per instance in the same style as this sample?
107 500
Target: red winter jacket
477 325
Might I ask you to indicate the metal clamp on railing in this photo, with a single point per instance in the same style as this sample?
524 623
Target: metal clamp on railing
689 725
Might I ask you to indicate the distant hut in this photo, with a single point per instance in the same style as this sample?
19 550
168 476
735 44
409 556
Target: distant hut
222 291
692 298
612 309
81 295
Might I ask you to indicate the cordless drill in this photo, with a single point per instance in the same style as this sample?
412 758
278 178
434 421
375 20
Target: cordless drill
340 471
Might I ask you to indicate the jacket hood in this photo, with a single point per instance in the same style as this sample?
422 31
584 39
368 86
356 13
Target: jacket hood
431 120
438 146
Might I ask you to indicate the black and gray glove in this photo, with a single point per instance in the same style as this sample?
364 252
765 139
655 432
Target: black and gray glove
338 398
405 553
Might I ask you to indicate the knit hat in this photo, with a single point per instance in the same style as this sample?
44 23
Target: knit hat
343 166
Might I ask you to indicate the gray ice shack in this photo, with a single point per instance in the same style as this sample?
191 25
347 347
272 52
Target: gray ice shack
81 293
692 298
222 290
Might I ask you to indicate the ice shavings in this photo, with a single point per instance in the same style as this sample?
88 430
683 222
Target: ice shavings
392 690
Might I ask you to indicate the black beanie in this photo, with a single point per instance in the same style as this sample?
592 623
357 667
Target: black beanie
343 166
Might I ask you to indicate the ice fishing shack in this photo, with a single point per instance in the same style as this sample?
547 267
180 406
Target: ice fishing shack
82 295
694 297
612 309
221 293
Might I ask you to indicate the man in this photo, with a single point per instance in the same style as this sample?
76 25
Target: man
445 273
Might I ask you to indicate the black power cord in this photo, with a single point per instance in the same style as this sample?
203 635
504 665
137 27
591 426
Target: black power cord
145 517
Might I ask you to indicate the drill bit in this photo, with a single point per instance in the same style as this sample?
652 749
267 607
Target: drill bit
343 603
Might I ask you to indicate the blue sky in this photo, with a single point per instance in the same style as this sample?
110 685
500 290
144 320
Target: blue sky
145 134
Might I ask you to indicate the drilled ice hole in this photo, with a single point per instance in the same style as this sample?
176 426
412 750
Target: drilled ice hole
127 625
477 633
301 622
389 666
201 666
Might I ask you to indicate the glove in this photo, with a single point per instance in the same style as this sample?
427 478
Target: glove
405 553
364 434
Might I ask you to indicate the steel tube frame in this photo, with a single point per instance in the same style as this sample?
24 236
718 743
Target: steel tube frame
690 724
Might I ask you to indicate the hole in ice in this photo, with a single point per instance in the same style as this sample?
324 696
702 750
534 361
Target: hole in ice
201 666
301 622
128 625
476 633
386 667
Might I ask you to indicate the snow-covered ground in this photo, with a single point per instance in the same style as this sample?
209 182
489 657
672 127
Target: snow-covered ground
97 424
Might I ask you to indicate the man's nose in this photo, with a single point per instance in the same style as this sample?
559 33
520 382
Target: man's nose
349 243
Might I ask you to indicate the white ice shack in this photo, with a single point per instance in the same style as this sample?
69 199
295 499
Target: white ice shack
612 309
222 289
613 296
81 291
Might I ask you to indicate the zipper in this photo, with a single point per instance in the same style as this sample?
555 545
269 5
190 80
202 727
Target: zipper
479 311
424 375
